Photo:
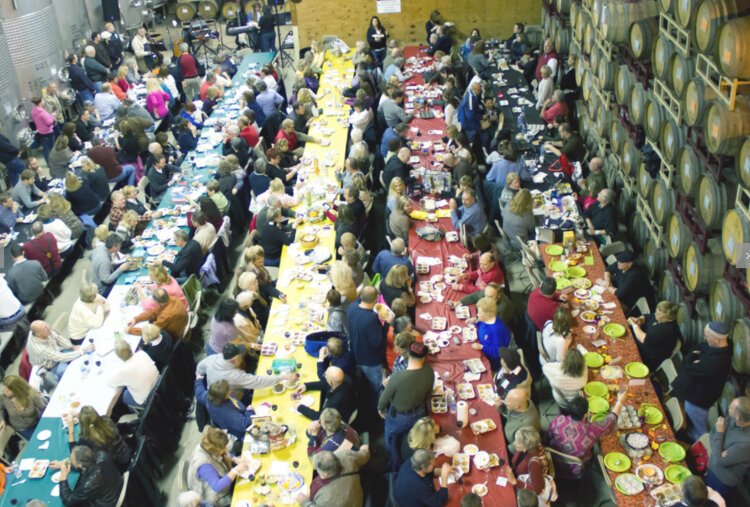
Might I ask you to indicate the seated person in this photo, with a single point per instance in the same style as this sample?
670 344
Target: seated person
99 482
627 280
226 412
160 177
601 217
21 406
157 344
169 315
329 433
99 433
337 391
470 214
275 236
88 312
337 482
568 377
657 334
50 350
137 374
512 372
489 271
212 469
188 260
415 481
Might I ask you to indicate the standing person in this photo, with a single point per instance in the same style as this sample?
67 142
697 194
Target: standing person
657 334
730 449
470 110
45 125
377 38
42 247
404 400
492 333
114 44
9 158
702 376
191 81
140 49
267 33
549 58
367 338
79 80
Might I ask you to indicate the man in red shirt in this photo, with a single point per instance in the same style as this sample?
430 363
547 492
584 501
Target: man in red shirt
42 247
489 271
191 82
549 58
293 137
106 156
249 133
543 301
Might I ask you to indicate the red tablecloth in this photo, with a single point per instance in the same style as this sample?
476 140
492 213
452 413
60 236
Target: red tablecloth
626 349
450 360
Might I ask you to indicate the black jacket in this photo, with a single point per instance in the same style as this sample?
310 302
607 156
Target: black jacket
188 260
273 238
84 131
118 449
98 183
98 485
79 80
8 152
342 398
703 374
158 182
114 48
95 70
82 200
102 55
161 353
394 167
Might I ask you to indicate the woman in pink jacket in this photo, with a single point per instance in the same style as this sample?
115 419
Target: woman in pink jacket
157 100
45 125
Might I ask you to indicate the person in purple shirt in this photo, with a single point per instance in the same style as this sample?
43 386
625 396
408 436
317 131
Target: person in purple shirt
212 470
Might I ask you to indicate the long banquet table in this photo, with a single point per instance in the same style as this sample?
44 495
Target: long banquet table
448 363
77 387
302 312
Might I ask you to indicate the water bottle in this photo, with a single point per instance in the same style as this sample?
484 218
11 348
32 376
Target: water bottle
85 368
522 121
541 153
451 402
16 470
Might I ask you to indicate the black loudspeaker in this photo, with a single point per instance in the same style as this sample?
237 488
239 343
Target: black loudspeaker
110 10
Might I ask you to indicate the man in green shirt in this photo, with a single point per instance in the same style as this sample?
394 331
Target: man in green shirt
595 181
404 400
517 410
493 291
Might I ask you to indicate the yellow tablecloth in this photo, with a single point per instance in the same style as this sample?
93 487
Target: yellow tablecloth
336 73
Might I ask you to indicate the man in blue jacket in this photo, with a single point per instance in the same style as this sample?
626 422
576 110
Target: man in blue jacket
79 81
226 412
470 110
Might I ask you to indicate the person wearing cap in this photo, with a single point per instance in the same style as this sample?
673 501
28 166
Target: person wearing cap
627 280
405 399
702 376
730 449
114 44
337 391
228 366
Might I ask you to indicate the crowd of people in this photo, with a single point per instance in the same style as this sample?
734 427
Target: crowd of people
370 369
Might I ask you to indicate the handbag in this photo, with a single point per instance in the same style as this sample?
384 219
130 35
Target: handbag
548 494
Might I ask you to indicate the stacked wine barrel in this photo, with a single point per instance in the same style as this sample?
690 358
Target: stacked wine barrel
675 151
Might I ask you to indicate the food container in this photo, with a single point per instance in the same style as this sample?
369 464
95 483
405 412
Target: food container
308 241
636 444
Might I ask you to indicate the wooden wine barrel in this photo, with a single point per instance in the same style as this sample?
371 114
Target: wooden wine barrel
725 129
580 69
729 393
637 104
710 17
662 57
624 80
735 230
692 325
616 18
655 116
617 135
712 201
668 289
638 230
554 25
743 163
723 304
562 39
643 33
655 257
684 11
700 270
678 236
593 107
697 98
545 22
645 183
662 202
606 73
588 37
689 170
682 71
587 85
563 6
671 139
741 346
588 3
624 205
574 10
582 19
596 12
630 157
596 56
585 125
603 122
667 6
734 48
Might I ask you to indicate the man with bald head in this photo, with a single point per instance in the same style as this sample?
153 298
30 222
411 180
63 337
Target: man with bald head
51 351
601 217
398 166
730 449
337 391
367 339
517 410
591 185
397 255
488 272
169 315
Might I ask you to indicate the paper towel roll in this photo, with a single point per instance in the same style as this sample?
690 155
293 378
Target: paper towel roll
462 413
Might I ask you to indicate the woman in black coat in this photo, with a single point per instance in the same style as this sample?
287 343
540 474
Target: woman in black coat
377 38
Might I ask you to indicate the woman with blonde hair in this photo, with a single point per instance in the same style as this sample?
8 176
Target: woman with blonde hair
360 183
277 189
518 218
60 207
100 434
126 229
511 188
100 235
397 284
421 436
157 344
343 280
89 312
21 405
161 279
657 334
157 100
396 189
95 177
212 469
245 320
122 78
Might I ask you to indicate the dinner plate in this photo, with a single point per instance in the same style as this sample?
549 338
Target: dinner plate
588 316
596 389
562 283
617 462
629 484
554 250
676 474
598 405
576 272
589 329
471 449
44 435
593 359
558 266
651 414
672 451
156 250
479 489
636 370
614 330
650 473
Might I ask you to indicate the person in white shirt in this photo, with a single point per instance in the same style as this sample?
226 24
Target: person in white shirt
361 117
11 311
270 81
545 88
556 337
568 377
451 112
139 49
51 351
137 374
88 312
57 228
205 233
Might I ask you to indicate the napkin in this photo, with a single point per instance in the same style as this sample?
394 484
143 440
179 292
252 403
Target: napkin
447 445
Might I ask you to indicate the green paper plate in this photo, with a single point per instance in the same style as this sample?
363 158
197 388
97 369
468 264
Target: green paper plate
629 478
651 414
593 359
676 474
636 370
614 330
554 250
562 283
596 389
598 417
617 462
672 451
558 266
598 405
576 272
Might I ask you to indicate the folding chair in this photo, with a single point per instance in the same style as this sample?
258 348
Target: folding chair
191 288
121 498
642 305
260 149
666 373
705 439
675 414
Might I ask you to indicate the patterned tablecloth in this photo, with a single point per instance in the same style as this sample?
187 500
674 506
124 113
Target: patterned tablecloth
620 351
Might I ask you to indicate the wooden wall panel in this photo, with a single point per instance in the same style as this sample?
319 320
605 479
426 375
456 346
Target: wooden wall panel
349 18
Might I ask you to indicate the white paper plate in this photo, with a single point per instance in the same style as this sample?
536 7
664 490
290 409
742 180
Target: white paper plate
44 435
